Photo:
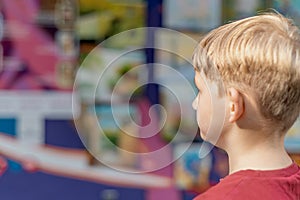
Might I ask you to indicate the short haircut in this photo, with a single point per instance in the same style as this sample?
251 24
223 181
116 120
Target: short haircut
260 54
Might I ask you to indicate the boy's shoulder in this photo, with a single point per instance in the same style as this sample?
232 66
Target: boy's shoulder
223 189
255 185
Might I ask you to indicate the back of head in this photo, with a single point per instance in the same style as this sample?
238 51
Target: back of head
261 55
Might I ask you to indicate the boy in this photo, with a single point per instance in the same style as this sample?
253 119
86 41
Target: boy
257 60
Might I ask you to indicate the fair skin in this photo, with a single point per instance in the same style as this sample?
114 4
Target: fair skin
248 143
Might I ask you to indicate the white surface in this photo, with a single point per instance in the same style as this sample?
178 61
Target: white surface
73 164
31 108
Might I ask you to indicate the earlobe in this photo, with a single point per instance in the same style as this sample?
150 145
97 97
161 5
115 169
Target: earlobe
236 104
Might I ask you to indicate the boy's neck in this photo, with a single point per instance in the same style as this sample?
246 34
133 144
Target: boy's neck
255 151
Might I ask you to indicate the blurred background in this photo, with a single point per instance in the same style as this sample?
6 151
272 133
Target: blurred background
52 101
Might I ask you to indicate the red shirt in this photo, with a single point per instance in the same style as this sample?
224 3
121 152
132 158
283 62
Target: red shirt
282 184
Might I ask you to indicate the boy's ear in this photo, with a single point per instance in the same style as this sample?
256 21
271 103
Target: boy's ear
236 104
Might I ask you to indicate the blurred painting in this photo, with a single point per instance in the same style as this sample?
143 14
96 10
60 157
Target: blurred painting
191 171
106 70
175 74
289 8
246 8
101 19
292 140
196 173
116 144
192 14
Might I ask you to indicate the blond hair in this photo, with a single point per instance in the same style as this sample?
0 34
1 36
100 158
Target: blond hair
259 54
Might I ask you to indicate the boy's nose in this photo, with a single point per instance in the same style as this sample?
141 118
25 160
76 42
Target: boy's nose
195 103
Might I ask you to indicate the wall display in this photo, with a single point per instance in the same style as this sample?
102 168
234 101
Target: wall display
117 133
290 8
175 96
196 174
35 82
246 8
233 10
21 64
103 68
47 65
102 19
65 73
33 77
228 10
67 43
296 157
30 113
108 75
66 12
191 172
292 140
1 37
177 102
68 51
192 14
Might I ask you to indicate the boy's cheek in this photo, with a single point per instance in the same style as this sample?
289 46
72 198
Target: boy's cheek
203 119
